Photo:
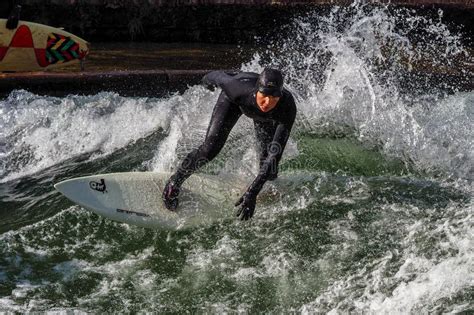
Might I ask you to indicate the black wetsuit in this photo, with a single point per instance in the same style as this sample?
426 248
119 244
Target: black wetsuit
238 97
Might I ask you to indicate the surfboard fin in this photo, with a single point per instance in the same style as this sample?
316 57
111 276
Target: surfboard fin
14 18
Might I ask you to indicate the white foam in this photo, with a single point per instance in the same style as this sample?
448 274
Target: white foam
224 253
442 280
346 82
190 111
279 265
68 269
114 273
53 130
23 288
419 283
246 273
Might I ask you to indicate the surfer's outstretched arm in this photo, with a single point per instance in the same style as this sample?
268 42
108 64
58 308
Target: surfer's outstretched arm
225 80
275 150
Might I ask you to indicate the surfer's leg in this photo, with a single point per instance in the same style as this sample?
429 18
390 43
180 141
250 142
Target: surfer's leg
264 132
224 117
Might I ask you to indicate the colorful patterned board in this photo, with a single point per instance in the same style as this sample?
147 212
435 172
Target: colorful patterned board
36 47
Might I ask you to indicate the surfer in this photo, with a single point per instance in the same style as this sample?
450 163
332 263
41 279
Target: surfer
273 110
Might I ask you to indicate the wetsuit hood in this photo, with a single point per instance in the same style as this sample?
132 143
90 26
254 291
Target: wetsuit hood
270 82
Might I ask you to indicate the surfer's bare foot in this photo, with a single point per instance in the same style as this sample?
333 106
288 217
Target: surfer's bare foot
170 195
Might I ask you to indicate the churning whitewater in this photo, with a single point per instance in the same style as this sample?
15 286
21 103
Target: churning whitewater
372 213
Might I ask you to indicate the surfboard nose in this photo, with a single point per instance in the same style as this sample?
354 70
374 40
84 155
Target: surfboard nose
65 188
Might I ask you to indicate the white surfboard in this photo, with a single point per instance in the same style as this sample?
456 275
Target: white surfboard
135 198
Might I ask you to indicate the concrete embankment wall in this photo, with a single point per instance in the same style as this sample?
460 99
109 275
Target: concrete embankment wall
151 83
213 21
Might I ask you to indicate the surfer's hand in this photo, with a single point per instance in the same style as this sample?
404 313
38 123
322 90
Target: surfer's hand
246 205
208 84
210 87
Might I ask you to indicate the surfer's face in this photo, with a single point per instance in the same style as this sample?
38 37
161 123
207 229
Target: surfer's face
266 102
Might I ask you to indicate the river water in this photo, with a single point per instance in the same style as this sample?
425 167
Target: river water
372 213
